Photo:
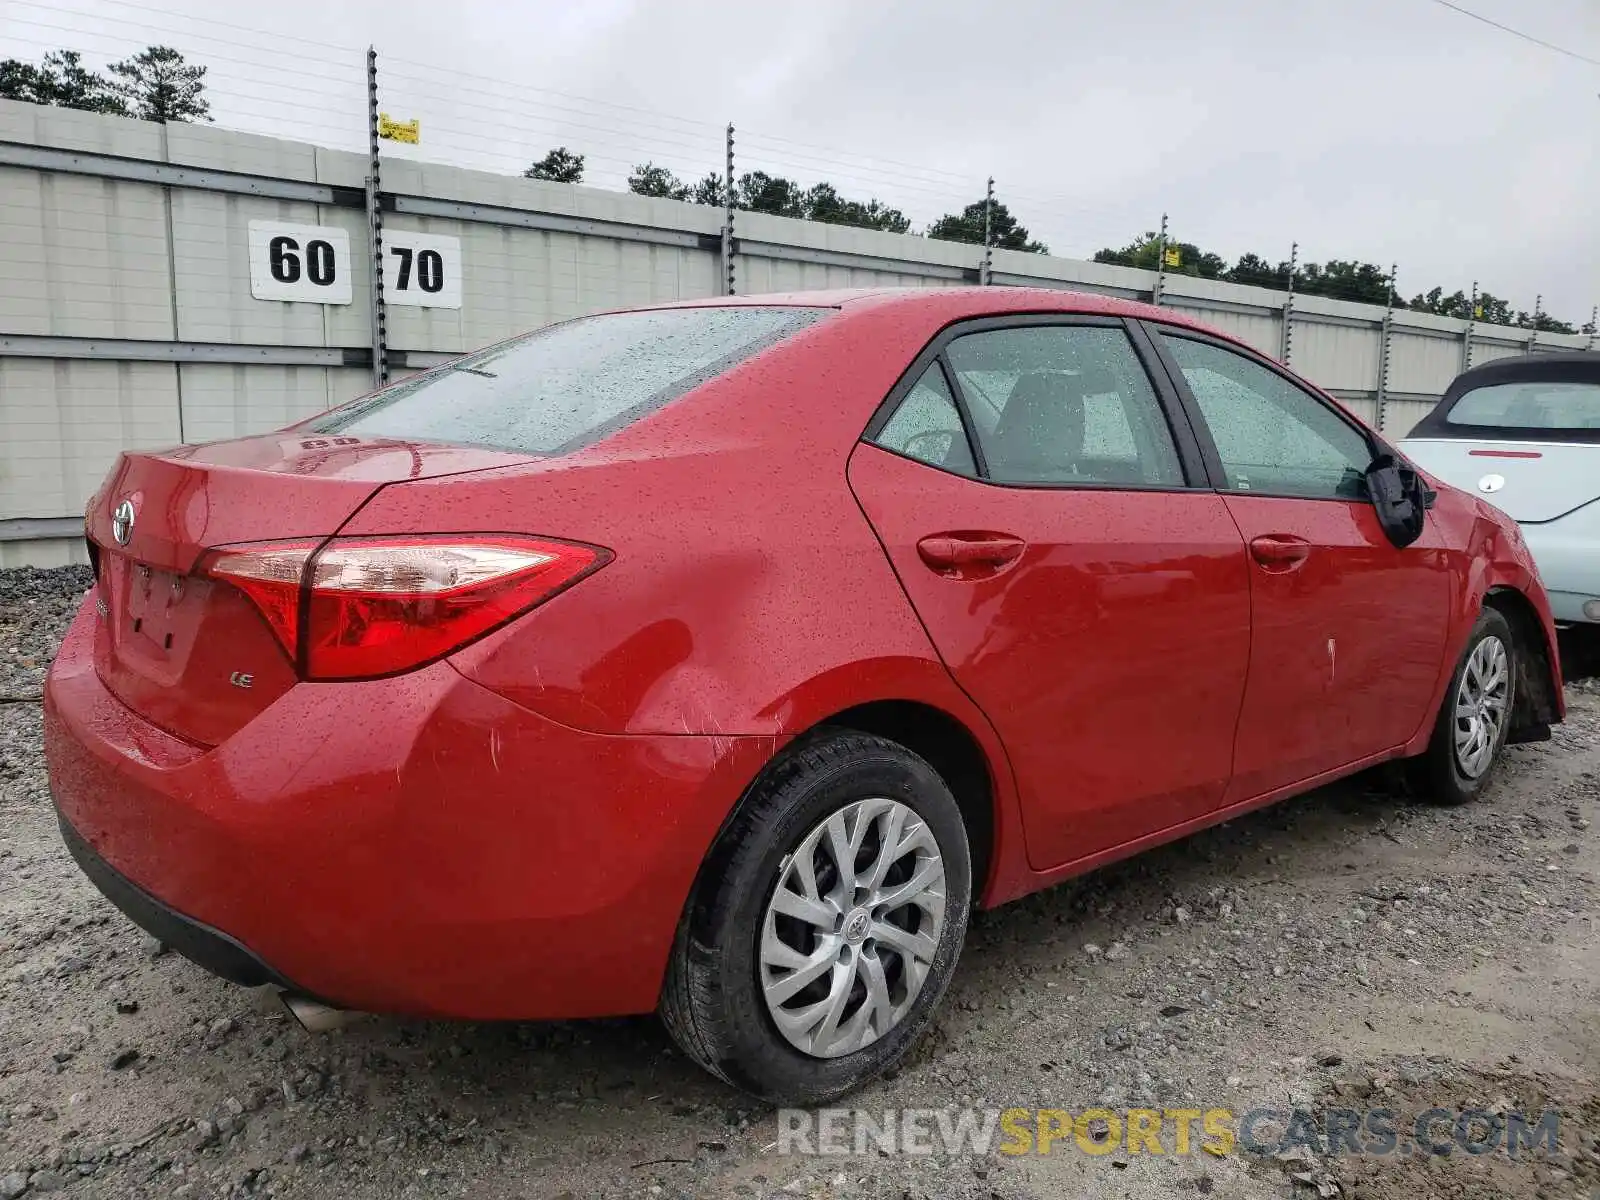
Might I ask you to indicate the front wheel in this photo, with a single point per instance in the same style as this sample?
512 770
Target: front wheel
1475 717
827 922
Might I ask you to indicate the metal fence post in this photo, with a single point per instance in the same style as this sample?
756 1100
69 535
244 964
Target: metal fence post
380 316
1383 360
1466 335
727 217
1288 306
1161 263
986 267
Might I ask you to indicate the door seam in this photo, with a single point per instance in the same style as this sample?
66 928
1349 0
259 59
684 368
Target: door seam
1249 647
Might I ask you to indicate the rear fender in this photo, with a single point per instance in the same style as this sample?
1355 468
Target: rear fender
922 681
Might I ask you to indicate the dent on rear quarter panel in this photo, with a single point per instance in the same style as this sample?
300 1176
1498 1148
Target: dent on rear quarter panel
748 594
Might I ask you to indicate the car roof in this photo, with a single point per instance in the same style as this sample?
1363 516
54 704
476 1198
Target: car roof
945 304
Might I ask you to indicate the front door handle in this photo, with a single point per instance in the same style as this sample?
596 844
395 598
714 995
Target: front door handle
1280 551
970 555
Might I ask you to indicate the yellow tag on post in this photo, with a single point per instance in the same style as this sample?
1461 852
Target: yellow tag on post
399 131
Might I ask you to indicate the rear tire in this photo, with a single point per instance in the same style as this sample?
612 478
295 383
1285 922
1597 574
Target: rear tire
776 932
1474 717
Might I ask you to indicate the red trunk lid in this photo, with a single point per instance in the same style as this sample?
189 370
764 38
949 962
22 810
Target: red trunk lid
193 655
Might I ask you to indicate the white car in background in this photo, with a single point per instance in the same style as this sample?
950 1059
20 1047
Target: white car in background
1524 434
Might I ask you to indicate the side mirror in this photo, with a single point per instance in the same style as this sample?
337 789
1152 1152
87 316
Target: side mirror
1398 496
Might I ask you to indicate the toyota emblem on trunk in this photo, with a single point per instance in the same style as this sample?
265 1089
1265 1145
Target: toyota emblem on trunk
122 522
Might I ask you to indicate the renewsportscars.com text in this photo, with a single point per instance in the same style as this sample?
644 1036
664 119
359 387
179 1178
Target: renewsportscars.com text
1179 1131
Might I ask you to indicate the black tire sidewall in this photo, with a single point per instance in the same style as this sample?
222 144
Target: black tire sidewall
1449 784
761 1060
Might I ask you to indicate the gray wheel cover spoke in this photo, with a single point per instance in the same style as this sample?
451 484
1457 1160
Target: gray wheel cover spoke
1480 706
840 968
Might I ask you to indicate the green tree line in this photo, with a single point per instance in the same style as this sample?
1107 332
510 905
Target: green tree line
1343 279
758 191
154 85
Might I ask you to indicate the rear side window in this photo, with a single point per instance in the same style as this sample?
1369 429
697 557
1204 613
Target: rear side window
927 426
1068 405
1553 405
567 385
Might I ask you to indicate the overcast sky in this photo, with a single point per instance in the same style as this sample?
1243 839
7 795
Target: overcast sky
1384 130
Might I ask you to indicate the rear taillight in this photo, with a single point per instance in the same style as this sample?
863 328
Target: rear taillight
363 607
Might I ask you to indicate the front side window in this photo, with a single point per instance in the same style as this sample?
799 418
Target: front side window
1066 405
1558 406
569 384
1272 436
927 426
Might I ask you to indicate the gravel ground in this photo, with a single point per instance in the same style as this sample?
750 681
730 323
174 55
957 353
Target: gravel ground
1347 948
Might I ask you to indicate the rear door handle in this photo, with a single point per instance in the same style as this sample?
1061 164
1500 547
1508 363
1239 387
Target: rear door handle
970 555
1280 551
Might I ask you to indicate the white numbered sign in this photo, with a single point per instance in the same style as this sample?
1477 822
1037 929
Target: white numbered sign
421 269
299 262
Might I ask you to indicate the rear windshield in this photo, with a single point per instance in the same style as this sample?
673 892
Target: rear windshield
566 385
1552 405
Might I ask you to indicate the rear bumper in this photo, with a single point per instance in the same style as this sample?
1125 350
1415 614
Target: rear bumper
415 845
1568 607
196 941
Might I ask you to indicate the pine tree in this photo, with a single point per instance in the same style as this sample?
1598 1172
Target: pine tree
559 166
157 85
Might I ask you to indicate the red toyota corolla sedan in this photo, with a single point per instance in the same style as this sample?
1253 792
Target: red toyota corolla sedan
717 658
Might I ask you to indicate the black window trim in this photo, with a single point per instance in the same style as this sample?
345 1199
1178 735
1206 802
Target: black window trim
1186 445
1154 331
903 387
980 463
